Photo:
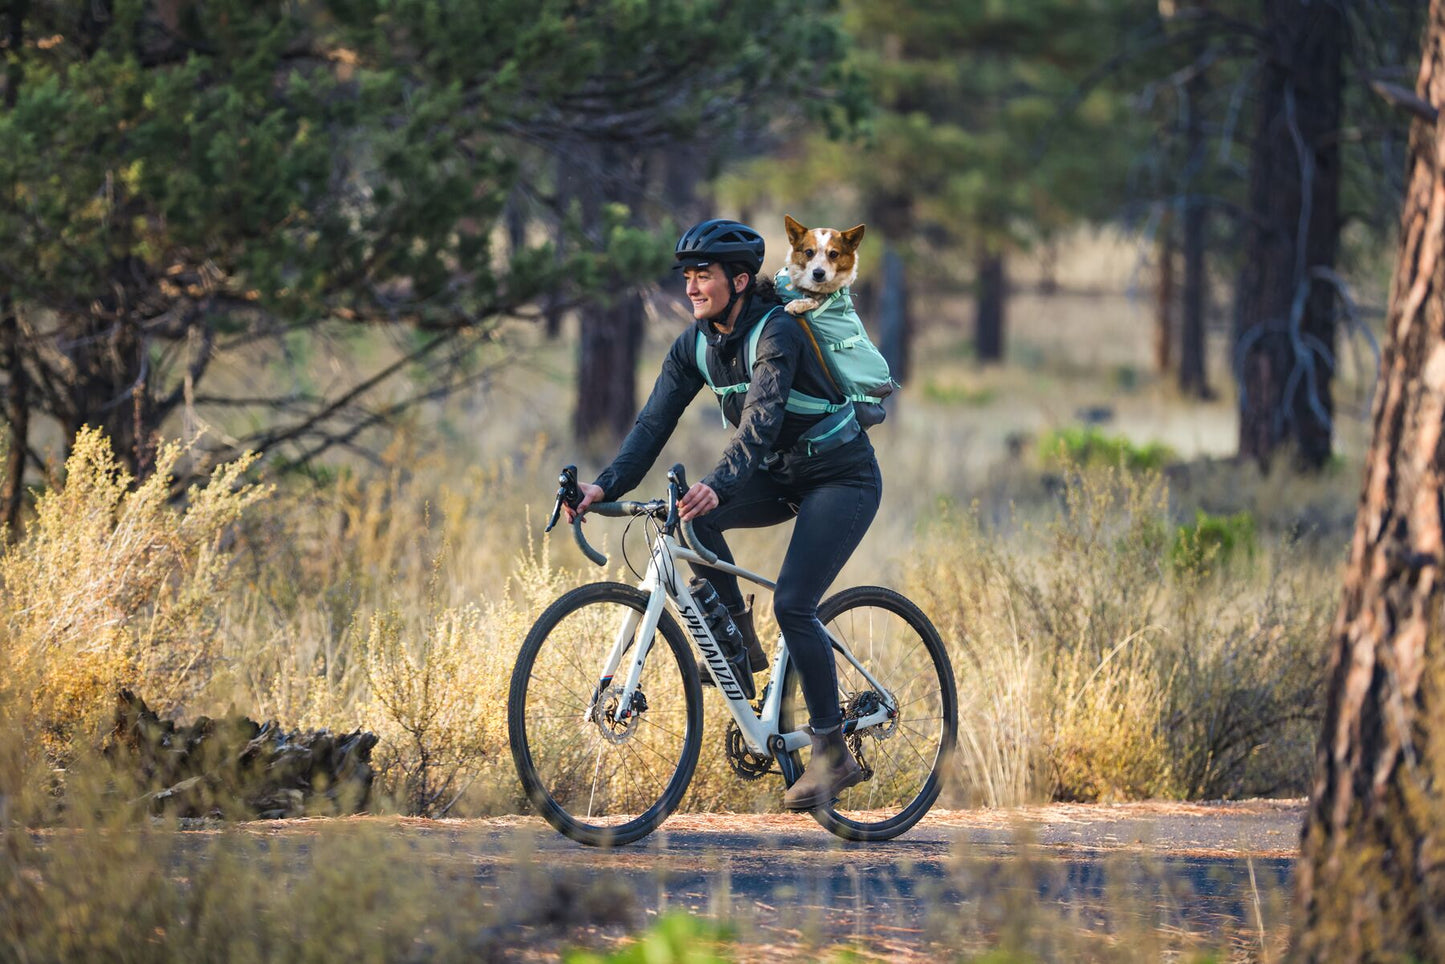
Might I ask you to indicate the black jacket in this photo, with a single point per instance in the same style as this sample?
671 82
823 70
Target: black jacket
785 360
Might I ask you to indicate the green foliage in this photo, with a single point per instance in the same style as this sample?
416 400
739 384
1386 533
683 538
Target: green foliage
1091 447
973 136
676 938
947 393
1212 541
181 180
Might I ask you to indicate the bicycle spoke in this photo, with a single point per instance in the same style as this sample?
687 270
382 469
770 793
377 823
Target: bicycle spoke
898 652
606 777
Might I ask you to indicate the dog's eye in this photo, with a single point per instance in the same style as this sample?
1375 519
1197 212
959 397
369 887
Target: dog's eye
807 252
832 256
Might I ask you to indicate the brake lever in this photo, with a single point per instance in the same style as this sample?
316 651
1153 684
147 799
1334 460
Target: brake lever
676 489
567 494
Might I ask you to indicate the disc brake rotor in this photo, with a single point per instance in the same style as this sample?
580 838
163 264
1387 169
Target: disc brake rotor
614 727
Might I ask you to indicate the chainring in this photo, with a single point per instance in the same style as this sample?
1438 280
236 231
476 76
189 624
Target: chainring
745 763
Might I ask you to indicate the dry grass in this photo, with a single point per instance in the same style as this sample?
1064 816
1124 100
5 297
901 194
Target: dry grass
114 585
395 597
1091 665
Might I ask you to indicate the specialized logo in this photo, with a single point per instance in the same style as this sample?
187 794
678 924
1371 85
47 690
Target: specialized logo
712 653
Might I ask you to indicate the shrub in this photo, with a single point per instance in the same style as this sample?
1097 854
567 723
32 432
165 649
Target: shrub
1091 448
436 691
1212 541
115 583
1091 667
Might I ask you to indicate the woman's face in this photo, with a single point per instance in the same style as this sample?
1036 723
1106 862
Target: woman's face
708 289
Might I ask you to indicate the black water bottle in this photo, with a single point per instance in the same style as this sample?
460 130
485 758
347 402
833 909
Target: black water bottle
725 631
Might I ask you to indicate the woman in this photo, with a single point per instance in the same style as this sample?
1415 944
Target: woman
779 465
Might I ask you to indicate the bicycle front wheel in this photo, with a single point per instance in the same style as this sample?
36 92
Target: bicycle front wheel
600 774
903 758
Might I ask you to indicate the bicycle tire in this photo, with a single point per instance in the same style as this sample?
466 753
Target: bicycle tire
906 782
551 735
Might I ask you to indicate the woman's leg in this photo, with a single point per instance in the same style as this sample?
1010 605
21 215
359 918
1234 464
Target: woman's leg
761 502
831 522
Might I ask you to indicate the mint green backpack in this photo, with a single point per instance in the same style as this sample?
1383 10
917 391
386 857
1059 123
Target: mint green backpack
839 425
855 365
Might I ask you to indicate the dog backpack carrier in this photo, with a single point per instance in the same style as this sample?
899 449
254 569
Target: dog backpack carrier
850 361
854 364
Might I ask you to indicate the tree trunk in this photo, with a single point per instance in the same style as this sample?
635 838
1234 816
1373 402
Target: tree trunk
989 319
17 420
1191 335
893 320
552 306
17 392
110 384
609 336
1371 876
1164 296
1192 380
1285 334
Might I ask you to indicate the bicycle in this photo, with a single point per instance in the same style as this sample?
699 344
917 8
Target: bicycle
606 750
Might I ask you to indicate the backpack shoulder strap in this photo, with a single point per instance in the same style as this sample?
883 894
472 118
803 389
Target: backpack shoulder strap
756 335
818 350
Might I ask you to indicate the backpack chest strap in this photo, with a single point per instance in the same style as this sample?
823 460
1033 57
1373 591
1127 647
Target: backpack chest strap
799 403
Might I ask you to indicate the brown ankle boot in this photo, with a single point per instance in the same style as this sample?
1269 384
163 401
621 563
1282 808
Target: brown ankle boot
831 770
757 659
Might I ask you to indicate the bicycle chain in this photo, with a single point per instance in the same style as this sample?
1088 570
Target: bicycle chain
855 746
858 706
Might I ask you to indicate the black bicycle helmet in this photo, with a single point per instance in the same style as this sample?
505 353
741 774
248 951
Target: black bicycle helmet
720 241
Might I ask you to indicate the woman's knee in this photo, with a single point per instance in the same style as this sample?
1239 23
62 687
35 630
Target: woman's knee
794 608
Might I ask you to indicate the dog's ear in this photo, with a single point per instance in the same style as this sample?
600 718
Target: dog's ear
852 237
795 230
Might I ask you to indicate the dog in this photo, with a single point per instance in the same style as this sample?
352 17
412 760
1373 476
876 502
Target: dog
822 261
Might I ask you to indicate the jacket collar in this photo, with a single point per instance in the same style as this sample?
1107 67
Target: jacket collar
751 312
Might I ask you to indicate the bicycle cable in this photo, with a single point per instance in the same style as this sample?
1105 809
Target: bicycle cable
669 562
625 531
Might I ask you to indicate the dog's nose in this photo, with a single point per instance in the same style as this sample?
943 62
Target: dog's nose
819 274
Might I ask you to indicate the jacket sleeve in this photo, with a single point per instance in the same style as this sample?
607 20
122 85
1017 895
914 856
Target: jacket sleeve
676 386
763 410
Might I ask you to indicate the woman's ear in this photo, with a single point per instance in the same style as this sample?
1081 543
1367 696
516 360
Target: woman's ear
741 281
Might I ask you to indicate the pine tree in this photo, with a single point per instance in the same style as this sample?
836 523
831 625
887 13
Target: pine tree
1370 869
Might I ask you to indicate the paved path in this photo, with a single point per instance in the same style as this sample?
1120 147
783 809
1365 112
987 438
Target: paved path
1217 871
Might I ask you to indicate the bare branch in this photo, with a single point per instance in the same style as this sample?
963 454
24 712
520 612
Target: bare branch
1397 96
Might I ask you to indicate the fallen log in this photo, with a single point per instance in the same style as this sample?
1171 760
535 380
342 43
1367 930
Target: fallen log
237 769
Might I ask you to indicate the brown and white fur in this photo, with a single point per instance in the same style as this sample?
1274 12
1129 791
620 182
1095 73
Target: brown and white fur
821 261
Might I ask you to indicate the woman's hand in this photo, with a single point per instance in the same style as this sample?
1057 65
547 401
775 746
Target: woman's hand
696 501
590 494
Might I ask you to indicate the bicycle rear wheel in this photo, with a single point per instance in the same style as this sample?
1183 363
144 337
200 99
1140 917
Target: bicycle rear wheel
599 775
903 758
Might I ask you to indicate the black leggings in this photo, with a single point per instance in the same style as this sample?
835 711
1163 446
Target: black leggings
831 521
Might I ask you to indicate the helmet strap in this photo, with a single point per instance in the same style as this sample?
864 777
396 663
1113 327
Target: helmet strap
734 293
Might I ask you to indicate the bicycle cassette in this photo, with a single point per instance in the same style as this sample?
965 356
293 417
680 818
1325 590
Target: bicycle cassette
867 703
745 763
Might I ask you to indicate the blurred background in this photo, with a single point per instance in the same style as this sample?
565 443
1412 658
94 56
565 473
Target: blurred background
1128 260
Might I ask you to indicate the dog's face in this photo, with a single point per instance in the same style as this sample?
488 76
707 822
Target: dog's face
822 260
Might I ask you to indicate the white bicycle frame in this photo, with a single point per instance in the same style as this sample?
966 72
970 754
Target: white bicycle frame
663 582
